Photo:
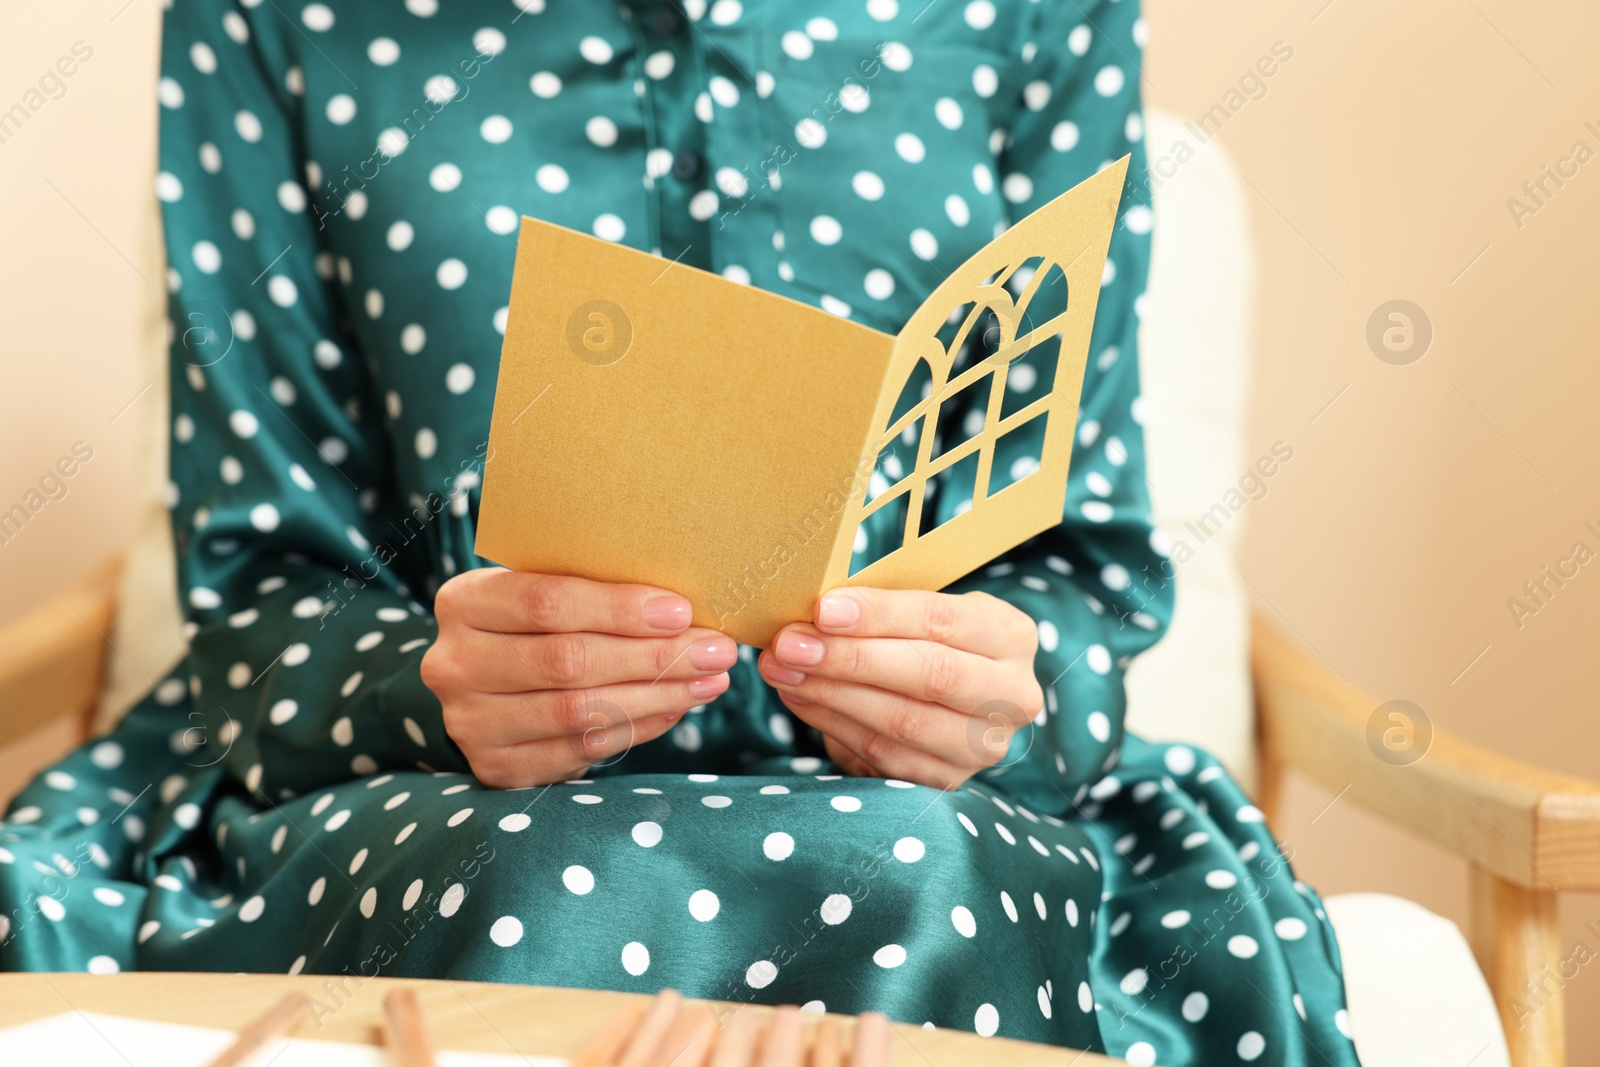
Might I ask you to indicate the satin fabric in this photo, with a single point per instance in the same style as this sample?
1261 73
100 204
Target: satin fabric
341 183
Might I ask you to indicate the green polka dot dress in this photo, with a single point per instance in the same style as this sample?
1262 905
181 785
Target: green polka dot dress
341 182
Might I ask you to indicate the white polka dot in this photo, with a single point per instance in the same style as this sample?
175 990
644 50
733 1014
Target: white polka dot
383 51
609 227
809 133
452 274
984 80
450 900
778 846
760 974
445 177
704 905
506 931
909 850
1098 725
1221 880
317 17
868 186
207 257
836 909
496 129
1251 1046
103 965
282 291
1108 81
909 147
545 84
889 956
924 244
251 909
1140 1054
341 109
595 50
986 1021
489 41
896 56
635 958
1243 946
551 178
578 880
1195 1006
264 517
879 284
845 804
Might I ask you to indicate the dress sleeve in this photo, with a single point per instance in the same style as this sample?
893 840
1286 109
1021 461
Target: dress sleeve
298 566
1099 585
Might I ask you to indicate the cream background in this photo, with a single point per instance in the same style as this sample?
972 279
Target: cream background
1378 164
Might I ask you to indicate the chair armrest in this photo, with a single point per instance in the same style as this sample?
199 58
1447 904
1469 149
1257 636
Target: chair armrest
1530 827
52 659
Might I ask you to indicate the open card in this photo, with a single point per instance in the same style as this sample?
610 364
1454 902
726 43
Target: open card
661 424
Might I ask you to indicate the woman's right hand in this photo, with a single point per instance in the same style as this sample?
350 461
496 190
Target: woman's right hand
543 676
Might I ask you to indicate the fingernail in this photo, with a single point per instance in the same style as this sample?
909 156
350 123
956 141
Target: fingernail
798 649
667 612
838 612
778 674
706 688
712 654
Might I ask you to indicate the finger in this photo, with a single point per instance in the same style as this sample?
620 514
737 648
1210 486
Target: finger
933 672
952 736
889 758
976 622
557 759
516 663
505 601
848 761
509 719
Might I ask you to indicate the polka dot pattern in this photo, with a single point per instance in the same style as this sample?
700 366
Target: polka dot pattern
326 477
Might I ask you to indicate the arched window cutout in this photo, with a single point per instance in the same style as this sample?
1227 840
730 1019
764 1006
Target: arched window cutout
1030 376
948 493
1042 299
1016 453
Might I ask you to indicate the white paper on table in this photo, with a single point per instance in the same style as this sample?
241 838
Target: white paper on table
89 1039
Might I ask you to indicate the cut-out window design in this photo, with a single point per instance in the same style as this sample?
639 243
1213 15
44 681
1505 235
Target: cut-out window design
959 436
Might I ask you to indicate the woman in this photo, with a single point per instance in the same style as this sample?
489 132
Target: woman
340 776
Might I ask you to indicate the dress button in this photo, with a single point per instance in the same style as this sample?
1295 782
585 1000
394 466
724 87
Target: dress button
666 21
686 166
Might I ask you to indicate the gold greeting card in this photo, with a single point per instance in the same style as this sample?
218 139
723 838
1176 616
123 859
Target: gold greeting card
657 423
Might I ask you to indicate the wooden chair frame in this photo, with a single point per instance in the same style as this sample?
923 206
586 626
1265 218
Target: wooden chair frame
1528 834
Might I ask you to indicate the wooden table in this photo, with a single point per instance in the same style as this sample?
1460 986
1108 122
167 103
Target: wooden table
470 1016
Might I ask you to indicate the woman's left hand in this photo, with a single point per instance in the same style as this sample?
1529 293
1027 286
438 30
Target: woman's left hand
924 687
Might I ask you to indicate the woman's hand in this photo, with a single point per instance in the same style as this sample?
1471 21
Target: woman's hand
543 676
925 687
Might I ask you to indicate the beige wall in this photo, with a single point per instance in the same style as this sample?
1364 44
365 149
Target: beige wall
1381 158
73 278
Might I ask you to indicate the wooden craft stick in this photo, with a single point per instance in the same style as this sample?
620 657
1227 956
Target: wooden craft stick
601 1050
691 1040
874 1041
826 1051
653 1030
409 1037
785 1045
274 1023
740 1033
